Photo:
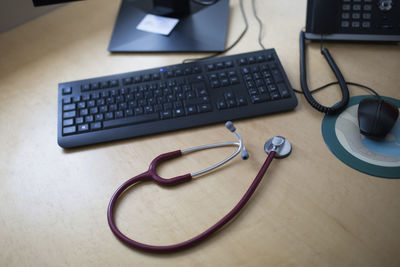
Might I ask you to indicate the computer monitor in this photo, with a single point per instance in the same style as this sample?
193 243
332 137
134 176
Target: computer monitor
201 28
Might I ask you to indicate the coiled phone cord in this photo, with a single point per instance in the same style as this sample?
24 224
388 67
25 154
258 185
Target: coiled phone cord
304 86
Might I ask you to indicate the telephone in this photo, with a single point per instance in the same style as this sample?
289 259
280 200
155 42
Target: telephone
353 20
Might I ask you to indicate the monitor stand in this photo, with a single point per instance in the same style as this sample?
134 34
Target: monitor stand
202 30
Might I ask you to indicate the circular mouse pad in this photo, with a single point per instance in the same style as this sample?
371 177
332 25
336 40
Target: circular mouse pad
342 136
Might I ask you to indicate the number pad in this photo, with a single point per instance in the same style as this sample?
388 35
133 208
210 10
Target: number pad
355 15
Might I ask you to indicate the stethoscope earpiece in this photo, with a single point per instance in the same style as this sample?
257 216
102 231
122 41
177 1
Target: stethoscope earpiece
280 145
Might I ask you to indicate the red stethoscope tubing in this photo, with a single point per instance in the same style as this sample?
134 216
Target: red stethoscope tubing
152 175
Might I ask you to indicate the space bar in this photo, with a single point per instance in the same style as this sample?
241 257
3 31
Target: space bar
130 120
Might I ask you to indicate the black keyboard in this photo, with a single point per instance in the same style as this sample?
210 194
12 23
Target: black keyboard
172 97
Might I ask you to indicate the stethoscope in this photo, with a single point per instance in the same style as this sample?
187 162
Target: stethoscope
277 146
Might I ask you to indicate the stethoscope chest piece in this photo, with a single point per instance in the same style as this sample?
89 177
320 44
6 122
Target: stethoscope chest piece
280 145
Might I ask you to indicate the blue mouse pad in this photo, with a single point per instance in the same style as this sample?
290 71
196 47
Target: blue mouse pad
342 136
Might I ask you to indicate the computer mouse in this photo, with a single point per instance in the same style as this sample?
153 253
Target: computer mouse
376 117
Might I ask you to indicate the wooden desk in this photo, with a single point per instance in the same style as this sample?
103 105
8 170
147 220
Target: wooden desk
310 209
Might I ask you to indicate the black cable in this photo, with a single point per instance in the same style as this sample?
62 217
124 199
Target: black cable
365 87
331 83
335 83
253 4
231 46
303 81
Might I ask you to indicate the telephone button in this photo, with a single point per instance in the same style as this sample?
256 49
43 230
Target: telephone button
366 16
367 7
345 24
366 24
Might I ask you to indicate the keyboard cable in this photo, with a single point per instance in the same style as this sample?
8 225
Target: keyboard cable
231 46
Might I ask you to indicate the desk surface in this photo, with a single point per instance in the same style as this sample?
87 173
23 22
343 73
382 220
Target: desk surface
310 209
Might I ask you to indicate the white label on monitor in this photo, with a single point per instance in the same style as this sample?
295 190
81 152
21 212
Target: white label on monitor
157 24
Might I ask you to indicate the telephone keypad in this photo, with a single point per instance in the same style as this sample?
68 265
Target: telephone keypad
356 14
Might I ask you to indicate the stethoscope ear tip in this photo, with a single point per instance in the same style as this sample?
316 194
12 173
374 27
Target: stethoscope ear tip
229 125
245 155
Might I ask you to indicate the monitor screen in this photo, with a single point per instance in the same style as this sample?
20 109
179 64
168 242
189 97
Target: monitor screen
202 25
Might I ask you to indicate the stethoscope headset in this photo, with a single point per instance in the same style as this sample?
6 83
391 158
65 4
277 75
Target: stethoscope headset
276 147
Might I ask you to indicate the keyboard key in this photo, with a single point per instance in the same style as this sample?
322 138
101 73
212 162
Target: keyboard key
95 86
112 107
81 105
138 111
67 100
251 60
231 103
178 112
119 114
205 108
275 95
242 61
114 83
130 120
91 103
234 80
129 112
224 82
105 84
84 112
67 91
68 122
85 87
166 114
191 110
95 126
283 90
260 58
89 118
109 116
69 130
69 114
221 104
229 64
215 84
69 107
99 117
277 75
259 98
241 101
83 127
